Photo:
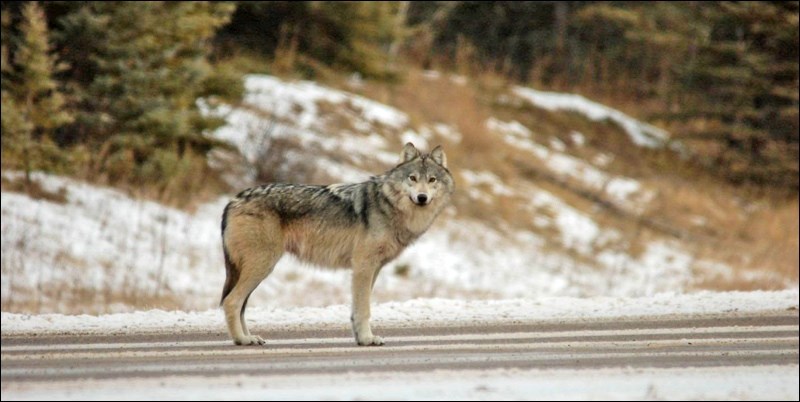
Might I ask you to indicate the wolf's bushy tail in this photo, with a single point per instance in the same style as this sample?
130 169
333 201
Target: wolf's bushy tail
231 270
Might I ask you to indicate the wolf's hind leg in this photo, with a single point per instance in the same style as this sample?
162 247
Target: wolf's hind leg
256 246
245 331
236 302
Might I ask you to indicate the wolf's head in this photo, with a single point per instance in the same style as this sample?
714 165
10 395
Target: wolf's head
421 179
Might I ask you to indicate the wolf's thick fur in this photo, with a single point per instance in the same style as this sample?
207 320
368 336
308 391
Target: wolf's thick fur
360 226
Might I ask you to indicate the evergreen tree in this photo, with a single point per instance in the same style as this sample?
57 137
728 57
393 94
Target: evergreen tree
144 66
352 36
745 77
728 72
33 106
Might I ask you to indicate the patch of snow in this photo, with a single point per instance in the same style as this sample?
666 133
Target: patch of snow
102 240
355 81
623 191
578 231
603 160
343 172
300 101
669 262
577 138
542 221
641 134
622 188
411 312
420 140
447 132
277 109
660 267
458 79
557 145
569 166
431 74
513 127
484 178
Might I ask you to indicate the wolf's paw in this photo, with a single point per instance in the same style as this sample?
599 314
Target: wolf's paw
250 340
371 341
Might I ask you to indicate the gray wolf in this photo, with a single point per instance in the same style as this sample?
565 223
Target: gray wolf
361 226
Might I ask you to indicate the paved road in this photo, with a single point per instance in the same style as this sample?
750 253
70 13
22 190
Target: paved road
700 341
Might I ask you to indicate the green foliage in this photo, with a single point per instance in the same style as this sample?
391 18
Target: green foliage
116 93
728 71
33 106
121 104
725 72
352 36
147 71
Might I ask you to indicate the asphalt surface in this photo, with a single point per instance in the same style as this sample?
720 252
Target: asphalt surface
690 341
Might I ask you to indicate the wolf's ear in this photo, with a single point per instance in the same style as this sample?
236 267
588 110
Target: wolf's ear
409 152
439 157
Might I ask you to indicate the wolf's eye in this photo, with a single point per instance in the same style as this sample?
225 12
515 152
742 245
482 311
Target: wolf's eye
412 178
432 180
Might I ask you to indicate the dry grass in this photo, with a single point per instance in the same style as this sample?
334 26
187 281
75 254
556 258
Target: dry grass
35 282
33 189
190 183
775 236
67 298
762 244
754 232
442 100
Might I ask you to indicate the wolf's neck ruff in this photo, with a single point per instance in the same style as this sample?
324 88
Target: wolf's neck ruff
360 226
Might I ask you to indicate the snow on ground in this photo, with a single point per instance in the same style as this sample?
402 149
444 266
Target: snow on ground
447 132
623 191
335 129
280 110
283 98
642 134
474 181
716 383
434 312
101 241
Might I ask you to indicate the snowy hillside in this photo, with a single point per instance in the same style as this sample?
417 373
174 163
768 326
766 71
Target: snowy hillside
102 251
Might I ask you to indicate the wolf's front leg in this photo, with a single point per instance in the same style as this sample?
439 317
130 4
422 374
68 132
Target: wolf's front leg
362 290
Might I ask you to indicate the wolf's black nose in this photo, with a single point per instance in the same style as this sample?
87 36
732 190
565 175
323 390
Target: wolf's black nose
422 198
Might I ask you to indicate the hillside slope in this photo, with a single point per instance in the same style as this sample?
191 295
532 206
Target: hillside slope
534 215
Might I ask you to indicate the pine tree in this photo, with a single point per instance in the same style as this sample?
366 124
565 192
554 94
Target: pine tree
352 36
744 81
13 123
356 35
32 102
144 66
728 71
